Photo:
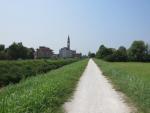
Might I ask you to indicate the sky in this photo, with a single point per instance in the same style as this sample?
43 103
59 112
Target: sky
89 23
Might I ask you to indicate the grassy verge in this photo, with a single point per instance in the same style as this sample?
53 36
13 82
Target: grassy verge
14 71
42 94
133 79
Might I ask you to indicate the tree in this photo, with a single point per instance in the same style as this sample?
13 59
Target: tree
2 47
110 56
147 54
2 52
137 51
148 48
91 55
121 54
103 52
100 52
30 53
3 55
17 51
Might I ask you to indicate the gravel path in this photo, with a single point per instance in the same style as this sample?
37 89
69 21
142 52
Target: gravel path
94 94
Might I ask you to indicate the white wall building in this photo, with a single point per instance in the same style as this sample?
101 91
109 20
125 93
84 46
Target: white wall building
66 52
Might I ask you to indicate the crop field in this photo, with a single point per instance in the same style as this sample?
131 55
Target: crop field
42 94
133 79
14 71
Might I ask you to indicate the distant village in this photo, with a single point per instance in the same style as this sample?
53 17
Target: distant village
65 52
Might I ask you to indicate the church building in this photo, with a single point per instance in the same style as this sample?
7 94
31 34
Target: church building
66 52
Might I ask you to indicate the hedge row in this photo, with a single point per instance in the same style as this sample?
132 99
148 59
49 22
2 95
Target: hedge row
14 71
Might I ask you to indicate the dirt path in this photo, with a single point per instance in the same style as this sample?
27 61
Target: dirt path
95 94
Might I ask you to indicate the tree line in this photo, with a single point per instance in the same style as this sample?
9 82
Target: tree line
138 51
16 51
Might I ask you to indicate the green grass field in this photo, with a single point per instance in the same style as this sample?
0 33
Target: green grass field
133 79
42 94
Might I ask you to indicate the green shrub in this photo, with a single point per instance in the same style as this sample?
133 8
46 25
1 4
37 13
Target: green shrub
14 71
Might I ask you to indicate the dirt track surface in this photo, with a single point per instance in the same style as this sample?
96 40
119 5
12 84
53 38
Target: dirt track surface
94 94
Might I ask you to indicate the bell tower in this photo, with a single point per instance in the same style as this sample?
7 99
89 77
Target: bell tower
68 43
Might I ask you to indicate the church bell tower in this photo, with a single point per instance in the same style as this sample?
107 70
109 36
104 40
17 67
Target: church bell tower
68 43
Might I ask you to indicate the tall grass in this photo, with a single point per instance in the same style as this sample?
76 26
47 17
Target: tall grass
14 71
133 79
42 94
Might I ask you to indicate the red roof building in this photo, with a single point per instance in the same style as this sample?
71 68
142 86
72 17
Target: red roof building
43 52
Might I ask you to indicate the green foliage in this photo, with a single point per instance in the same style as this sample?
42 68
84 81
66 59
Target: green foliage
103 52
2 47
42 94
2 52
30 53
137 51
91 55
133 79
3 55
120 54
16 51
14 71
110 54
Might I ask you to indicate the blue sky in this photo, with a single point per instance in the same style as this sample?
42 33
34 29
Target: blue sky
89 23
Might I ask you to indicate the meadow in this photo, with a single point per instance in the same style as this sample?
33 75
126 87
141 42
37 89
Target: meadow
42 94
131 78
13 71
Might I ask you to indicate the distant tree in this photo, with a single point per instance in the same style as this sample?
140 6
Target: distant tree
148 48
17 51
2 47
147 54
30 53
137 51
2 52
84 56
103 52
110 56
110 51
100 52
3 55
121 54
91 55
